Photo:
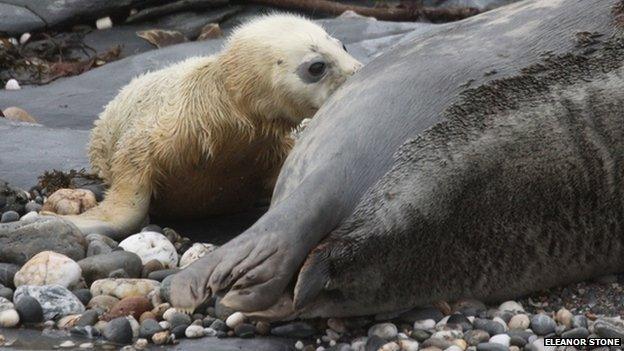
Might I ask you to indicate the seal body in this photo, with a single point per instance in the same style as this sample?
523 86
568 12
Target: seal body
499 161
208 135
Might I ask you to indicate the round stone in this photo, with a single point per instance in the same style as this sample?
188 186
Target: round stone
9 318
29 310
245 330
235 319
9 216
502 339
55 300
84 295
195 252
519 322
511 306
131 306
542 324
118 330
476 336
148 328
564 317
152 246
291 330
386 331
425 324
194 331
49 268
88 318
490 346
490 326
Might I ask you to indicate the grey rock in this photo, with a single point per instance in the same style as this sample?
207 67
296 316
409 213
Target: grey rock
461 320
476 336
7 272
517 341
9 216
32 206
118 330
56 301
294 330
101 266
88 318
20 241
374 343
148 328
579 321
103 238
440 343
490 346
152 228
84 295
420 335
576 333
85 331
541 324
491 327
15 20
11 197
160 275
29 310
179 319
219 325
7 293
608 330
118 273
179 331
97 247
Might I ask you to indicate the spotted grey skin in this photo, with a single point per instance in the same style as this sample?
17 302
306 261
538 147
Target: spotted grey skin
483 159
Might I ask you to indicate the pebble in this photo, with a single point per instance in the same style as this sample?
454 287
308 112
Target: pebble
118 330
245 330
565 317
9 216
29 310
86 345
490 326
68 322
179 330
299 345
210 332
420 335
84 295
386 331
70 201
101 266
291 330
408 345
55 300
151 266
30 216
122 288
576 333
67 344
147 315
235 319
195 252
579 321
608 330
391 346
9 318
141 344
160 275
103 302
12 84
542 324
511 306
161 338
103 238
104 23
133 305
88 318
148 328
425 324
177 319
134 325
337 325
7 272
194 331
519 322
7 293
48 268
152 246
461 320
97 247
32 206
502 339
490 346
164 324
476 336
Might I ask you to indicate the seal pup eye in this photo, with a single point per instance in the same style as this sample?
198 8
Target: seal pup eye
345 47
317 69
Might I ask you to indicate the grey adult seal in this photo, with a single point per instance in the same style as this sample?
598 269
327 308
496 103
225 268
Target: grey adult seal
484 159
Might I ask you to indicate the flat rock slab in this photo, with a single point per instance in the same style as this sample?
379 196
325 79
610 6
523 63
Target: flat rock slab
20 241
16 19
27 150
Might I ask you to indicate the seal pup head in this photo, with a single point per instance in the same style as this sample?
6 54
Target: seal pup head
284 66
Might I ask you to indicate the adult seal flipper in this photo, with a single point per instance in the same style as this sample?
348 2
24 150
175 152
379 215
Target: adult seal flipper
350 145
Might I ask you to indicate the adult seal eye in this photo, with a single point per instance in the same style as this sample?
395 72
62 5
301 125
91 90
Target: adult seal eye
344 47
317 69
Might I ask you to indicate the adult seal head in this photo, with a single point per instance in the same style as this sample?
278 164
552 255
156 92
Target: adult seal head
483 159
208 135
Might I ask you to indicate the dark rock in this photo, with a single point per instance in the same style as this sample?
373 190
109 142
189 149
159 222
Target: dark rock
101 266
374 343
207 321
160 275
11 198
179 330
524 335
197 317
88 318
245 330
517 341
221 311
294 330
476 336
118 273
20 241
151 266
491 327
541 324
85 331
103 238
9 216
219 325
15 20
29 310
179 319
7 293
55 300
148 328
152 228
84 295
490 346
461 320
608 330
420 335
119 331
580 332
97 247
419 314
579 321
7 272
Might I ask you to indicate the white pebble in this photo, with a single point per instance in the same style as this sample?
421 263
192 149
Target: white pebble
425 324
332 343
391 346
385 331
332 335
320 348
194 331
164 324
408 345
299 345
443 321
235 319
24 38
151 246
12 84
511 306
141 344
104 23
67 344
13 41
9 318
502 339
500 321
210 332
86 345
453 348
